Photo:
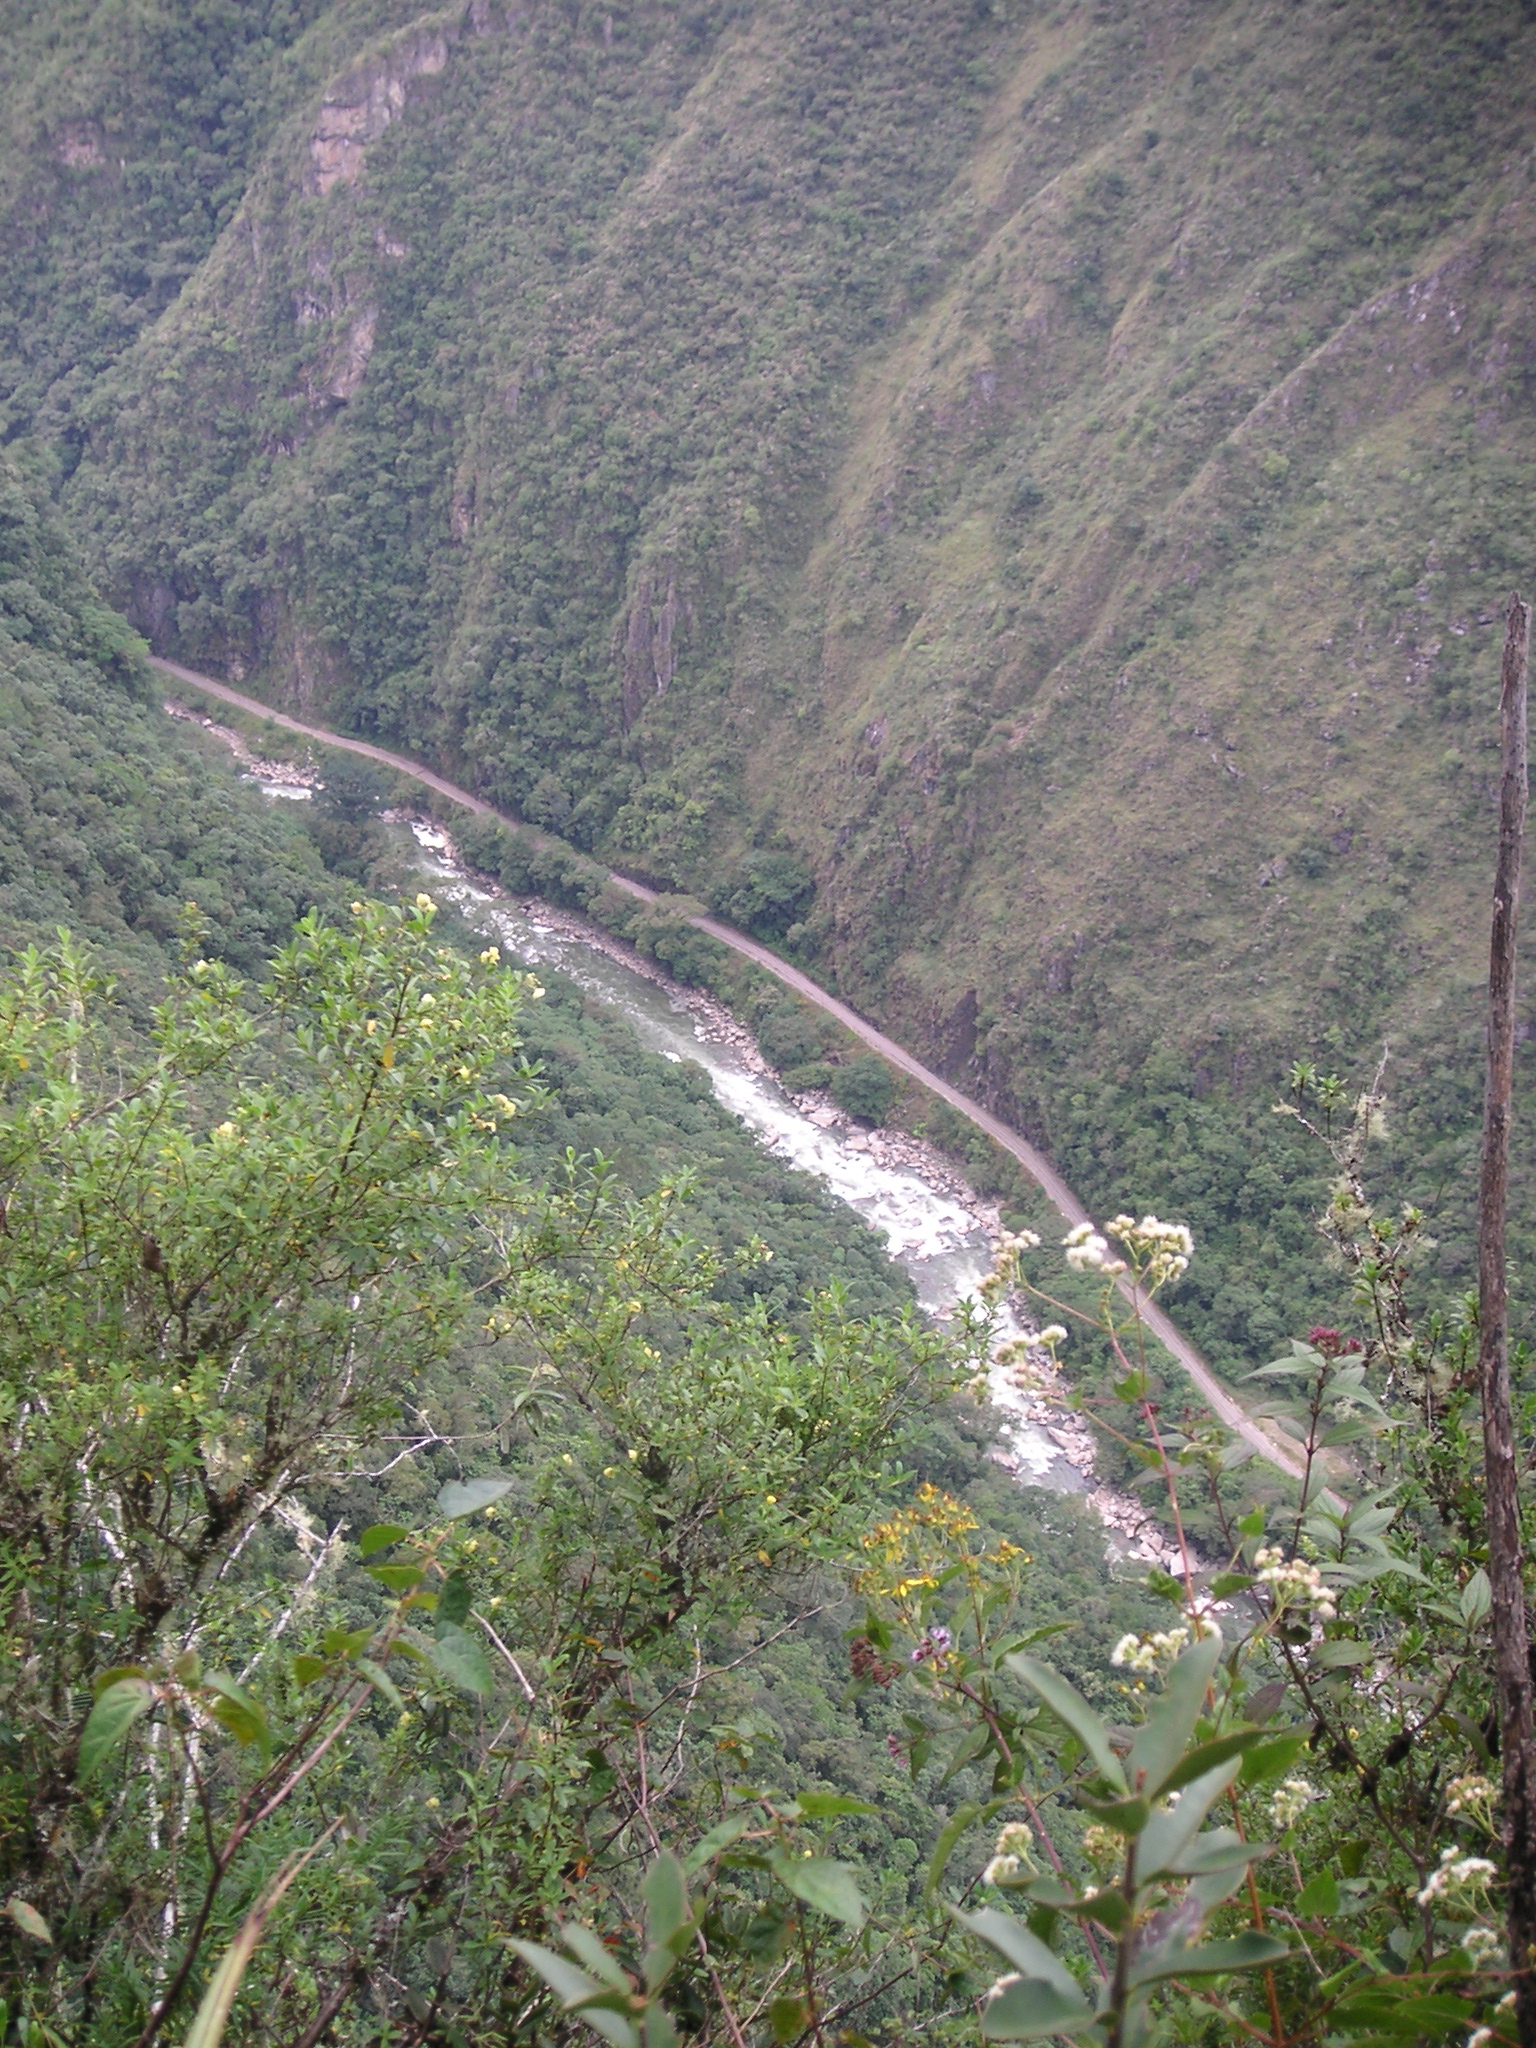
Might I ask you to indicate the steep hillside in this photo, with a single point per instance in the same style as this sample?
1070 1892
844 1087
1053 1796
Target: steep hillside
110 822
1018 497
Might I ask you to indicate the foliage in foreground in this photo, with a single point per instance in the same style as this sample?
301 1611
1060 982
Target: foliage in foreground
1217 1889
452 1777
229 1274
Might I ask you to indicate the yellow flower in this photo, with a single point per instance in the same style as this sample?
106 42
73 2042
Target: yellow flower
491 957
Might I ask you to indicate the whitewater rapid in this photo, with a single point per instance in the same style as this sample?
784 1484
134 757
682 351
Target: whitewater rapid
945 1247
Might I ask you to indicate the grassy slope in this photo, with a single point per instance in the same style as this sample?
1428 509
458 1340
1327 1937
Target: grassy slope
1063 463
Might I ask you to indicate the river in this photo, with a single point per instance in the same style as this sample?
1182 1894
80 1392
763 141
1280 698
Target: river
939 1232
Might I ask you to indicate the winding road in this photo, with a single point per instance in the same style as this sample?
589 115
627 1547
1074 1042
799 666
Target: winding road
1222 1404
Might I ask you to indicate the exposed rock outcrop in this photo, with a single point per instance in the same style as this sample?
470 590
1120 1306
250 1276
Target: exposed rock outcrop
361 104
650 642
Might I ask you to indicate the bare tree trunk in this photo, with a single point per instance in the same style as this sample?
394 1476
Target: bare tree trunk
1511 1648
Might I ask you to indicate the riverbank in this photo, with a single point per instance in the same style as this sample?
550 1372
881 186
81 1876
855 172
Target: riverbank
1031 1400
1261 1437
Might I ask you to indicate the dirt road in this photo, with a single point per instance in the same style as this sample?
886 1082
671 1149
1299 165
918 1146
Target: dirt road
1222 1404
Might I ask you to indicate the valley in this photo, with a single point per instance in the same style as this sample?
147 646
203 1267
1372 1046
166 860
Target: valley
813 644
1268 1445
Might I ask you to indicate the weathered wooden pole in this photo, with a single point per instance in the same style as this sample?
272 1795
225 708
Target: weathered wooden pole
1511 1644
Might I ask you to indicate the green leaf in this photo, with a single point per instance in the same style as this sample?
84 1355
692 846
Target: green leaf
463 1497
1339 1656
453 1602
788 2019
1218 1850
1025 2009
380 1537
233 1708
820 1882
1073 1711
307 1669
1161 1741
720 1837
459 1657
1225 1584
29 1920
1106 1909
964 1816
1350 1431
586 1947
396 1578
117 1707
1320 1899
1476 1598
1205 1756
1268 1759
967 1749
659 2031
381 1682
1019 1949
828 1805
341 1642
103 1679
1171 1829
569 1984
574 1989
668 1916
1125 1816
1251 1524
1213 1959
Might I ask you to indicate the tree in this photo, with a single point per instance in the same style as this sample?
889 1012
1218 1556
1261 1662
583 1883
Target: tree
283 1324
865 1088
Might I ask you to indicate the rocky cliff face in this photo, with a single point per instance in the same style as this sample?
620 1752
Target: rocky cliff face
358 109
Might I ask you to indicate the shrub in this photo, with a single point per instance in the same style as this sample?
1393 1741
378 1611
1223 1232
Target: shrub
865 1088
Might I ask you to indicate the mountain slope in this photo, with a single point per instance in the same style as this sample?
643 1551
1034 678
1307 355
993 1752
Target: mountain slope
110 823
1044 475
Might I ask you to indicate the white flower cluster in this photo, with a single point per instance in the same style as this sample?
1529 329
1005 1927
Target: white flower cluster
1290 1801
1014 1241
1145 1653
1471 1797
1162 1250
1052 1335
1102 1846
1294 1582
1011 1862
1087 1252
1457 1874
1482 1944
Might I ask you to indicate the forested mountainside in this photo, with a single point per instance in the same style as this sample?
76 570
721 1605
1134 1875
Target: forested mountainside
1012 499
109 822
